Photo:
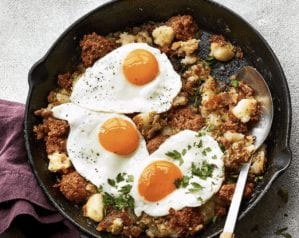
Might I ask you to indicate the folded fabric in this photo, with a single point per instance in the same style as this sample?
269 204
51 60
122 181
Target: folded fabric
20 196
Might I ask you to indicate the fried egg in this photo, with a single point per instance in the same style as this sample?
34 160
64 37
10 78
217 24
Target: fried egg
101 145
185 171
132 78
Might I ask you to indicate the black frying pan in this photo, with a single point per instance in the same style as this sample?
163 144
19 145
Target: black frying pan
64 55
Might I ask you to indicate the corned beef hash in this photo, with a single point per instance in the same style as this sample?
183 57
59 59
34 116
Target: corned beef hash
145 137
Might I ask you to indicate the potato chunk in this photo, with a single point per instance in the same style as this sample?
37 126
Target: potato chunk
183 48
94 207
222 52
163 35
245 109
58 162
259 161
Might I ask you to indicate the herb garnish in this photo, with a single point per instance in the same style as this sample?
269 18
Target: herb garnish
175 155
206 150
125 189
182 182
204 171
120 177
196 187
210 60
196 98
111 182
200 134
118 202
234 83
282 232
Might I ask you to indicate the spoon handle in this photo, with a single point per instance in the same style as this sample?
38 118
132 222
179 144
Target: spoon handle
233 211
227 235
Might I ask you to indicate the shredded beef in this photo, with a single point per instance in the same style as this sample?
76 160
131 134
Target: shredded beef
185 118
218 101
93 47
154 143
64 81
184 27
54 132
120 222
73 187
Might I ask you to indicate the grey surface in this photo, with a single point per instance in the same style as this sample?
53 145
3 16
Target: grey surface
28 28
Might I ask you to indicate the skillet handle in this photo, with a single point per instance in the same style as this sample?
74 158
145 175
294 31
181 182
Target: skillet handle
227 235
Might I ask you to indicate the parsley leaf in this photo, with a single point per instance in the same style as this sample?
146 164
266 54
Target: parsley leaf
120 177
125 189
111 182
210 60
196 187
119 202
282 232
175 155
108 200
200 134
182 182
204 171
130 178
234 83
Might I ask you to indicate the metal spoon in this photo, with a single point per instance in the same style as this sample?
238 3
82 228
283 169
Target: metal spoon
261 130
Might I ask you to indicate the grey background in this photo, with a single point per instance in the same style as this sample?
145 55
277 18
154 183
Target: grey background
28 28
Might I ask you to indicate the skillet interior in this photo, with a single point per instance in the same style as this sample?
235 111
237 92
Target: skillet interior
117 15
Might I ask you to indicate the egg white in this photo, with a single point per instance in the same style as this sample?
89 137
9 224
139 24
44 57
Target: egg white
88 157
103 87
181 197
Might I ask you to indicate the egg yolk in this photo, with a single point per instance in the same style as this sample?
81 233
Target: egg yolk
158 180
140 67
119 136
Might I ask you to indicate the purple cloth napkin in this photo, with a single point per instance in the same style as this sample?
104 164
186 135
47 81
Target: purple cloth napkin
20 195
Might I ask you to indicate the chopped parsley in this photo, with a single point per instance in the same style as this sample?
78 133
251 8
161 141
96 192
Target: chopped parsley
214 157
196 187
100 189
196 98
111 182
120 177
200 199
130 179
210 60
175 155
189 147
199 144
182 182
204 171
125 189
200 134
124 201
234 83
108 200
184 151
118 202
282 232
206 150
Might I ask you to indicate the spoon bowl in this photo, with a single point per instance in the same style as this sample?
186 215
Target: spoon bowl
255 80
260 131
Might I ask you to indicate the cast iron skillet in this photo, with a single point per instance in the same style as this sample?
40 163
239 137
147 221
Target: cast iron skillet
64 55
